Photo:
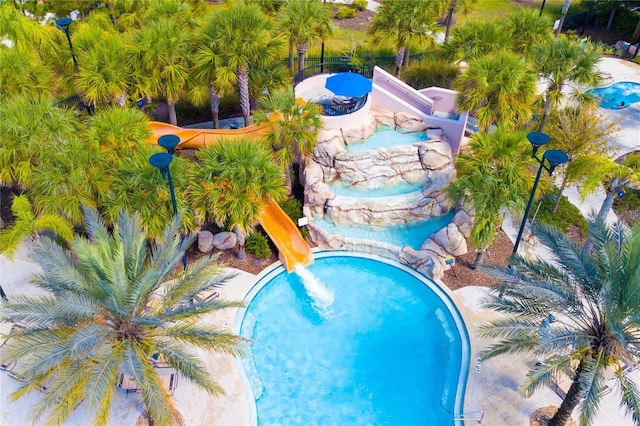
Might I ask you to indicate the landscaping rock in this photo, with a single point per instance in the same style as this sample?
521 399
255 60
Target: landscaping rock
360 132
224 240
205 241
383 117
407 121
451 240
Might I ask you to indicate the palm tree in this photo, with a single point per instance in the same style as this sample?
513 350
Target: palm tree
465 5
615 176
233 182
136 184
562 61
207 66
580 131
27 223
104 74
161 51
293 128
576 311
304 22
498 88
527 28
473 40
404 22
118 133
493 174
22 74
29 127
246 40
113 304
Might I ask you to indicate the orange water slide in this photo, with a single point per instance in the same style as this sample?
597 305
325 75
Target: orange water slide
198 138
293 248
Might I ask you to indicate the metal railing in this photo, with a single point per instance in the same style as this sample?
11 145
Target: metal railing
331 68
333 108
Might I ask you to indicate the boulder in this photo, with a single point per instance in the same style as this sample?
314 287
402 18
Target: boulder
205 241
435 155
224 240
382 116
437 180
451 239
312 174
462 220
362 131
409 122
327 150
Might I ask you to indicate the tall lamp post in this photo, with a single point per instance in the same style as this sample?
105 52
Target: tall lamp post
162 160
554 157
63 24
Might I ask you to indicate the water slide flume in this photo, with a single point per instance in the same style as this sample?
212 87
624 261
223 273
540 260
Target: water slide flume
293 248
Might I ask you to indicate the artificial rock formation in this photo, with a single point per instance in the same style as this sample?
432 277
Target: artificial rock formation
427 162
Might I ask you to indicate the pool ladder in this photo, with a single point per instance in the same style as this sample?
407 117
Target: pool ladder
475 416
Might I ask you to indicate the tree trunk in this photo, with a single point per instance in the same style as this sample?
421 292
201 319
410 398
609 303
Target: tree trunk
243 86
287 178
452 8
565 10
545 113
399 61
607 204
214 102
291 63
570 401
559 196
479 257
242 254
302 51
407 54
173 119
636 36
610 23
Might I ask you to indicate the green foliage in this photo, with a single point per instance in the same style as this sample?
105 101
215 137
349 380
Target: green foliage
112 301
360 5
566 215
258 245
630 200
626 21
431 73
293 208
346 12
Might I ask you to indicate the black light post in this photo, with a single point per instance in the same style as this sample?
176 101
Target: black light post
554 157
63 24
162 160
542 7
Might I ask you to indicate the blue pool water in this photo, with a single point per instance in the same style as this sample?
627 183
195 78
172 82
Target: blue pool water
412 235
612 96
386 136
381 191
391 348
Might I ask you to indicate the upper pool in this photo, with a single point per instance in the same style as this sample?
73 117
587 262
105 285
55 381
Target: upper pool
385 136
391 348
613 96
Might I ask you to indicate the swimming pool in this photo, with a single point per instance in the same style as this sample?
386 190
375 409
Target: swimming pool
387 136
613 96
391 349
400 188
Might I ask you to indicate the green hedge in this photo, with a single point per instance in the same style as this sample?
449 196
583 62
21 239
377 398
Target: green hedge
430 73
345 12
630 201
256 243
566 215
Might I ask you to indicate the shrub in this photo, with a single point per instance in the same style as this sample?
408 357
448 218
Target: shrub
566 215
431 73
293 208
256 243
345 12
360 5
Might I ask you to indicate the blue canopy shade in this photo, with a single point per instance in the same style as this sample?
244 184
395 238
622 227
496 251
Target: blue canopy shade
348 84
